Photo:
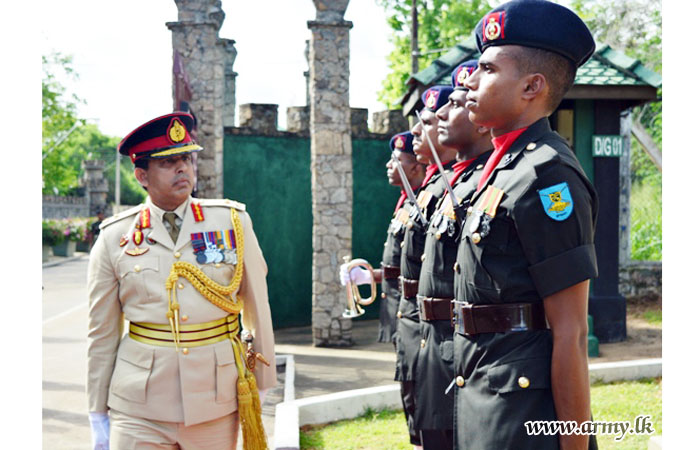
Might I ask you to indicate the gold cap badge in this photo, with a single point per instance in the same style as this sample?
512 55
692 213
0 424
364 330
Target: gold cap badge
177 132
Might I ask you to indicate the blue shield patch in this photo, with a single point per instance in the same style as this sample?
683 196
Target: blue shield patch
557 201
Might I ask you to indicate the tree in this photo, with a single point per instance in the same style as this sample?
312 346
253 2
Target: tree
442 25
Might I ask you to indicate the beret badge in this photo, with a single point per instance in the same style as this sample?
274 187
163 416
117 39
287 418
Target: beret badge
176 131
493 26
399 142
463 75
431 101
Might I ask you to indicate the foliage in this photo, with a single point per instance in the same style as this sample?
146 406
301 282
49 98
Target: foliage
442 24
56 231
653 317
645 220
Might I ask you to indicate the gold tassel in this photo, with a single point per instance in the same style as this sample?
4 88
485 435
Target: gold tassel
249 408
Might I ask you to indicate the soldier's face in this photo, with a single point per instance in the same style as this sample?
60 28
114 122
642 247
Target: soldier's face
454 128
421 147
169 180
392 169
495 87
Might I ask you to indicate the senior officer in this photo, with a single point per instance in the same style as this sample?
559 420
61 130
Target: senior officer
180 270
526 253
434 366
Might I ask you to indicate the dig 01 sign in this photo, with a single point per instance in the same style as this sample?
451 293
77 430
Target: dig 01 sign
607 146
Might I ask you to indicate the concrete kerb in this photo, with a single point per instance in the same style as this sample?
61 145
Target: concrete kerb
291 414
64 260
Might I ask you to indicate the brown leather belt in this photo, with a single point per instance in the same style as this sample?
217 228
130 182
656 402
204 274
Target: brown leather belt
431 308
409 288
474 319
390 272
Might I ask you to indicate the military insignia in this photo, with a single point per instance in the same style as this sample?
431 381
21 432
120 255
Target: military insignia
123 240
557 201
424 199
197 211
136 251
484 212
431 99
215 247
145 218
463 75
493 26
399 143
138 237
150 240
176 131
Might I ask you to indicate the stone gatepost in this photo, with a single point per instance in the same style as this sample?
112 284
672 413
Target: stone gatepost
229 83
204 56
331 169
95 184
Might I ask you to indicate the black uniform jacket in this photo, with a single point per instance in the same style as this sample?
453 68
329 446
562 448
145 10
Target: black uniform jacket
434 367
389 305
407 327
539 242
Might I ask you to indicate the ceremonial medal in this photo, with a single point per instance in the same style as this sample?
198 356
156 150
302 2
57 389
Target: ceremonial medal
212 247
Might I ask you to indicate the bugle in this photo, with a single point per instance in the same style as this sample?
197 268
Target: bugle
354 299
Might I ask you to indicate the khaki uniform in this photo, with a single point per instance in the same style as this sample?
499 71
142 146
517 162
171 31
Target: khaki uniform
158 382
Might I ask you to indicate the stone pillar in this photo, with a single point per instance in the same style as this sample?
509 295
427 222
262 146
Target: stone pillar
96 186
389 122
298 119
196 38
307 74
331 169
358 122
229 83
259 117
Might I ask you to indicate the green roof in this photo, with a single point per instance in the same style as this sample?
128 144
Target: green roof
607 67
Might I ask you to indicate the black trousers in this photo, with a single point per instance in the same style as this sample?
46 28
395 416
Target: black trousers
408 398
437 439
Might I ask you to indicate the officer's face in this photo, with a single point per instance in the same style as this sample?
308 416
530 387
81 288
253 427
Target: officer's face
495 89
169 180
421 147
454 128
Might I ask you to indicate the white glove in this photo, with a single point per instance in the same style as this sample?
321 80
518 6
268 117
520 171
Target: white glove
358 275
99 423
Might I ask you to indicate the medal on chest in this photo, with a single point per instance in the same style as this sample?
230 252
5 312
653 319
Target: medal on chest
481 215
211 247
137 236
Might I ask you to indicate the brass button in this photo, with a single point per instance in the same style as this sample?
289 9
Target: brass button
217 265
479 167
422 257
383 294
177 254
180 286
385 244
438 235
456 267
402 242
410 225
137 268
470 210
459 381
476 238
422 343
531 146
185 351
185 317
523 382
399 315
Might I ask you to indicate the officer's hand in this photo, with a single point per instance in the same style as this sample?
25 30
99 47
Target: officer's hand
99 423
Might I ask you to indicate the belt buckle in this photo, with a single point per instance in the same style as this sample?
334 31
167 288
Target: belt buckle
464 322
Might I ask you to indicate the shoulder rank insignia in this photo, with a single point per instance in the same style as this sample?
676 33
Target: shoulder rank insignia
557 201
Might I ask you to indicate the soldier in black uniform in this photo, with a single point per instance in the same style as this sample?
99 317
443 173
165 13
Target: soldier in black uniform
408 332
434 366
402 148
526 251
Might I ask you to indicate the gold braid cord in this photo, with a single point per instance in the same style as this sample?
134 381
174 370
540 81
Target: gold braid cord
249 408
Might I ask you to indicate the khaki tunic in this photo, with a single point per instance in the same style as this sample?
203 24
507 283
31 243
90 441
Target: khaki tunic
156 382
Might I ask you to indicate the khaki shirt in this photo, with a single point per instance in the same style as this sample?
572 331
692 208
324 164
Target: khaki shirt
156 382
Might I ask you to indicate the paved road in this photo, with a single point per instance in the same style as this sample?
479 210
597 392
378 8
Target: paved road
64 325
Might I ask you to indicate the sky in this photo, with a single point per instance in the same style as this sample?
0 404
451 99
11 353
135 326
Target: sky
122 51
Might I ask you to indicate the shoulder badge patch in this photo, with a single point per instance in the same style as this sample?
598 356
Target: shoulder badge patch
557 201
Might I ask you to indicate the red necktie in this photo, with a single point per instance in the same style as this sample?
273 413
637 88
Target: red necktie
501 144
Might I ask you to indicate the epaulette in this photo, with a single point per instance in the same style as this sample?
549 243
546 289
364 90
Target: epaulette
122 215
221 202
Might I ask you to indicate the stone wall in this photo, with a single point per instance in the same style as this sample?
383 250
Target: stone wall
640 281
58 207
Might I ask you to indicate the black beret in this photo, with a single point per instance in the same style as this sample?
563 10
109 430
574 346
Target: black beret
436 96
539 24
402 142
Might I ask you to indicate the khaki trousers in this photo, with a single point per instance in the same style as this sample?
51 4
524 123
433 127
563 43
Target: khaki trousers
135 433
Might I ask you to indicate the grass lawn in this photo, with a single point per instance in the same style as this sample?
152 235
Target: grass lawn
622 401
